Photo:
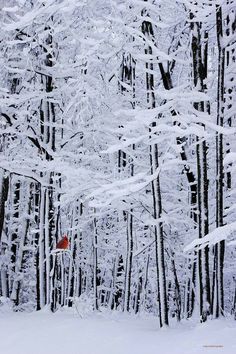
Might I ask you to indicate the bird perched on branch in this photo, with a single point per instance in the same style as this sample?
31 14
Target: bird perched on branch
63 244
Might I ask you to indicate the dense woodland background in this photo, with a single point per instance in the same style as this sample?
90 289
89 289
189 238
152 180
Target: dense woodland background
117 128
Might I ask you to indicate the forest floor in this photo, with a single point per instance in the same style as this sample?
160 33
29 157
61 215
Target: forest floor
67 333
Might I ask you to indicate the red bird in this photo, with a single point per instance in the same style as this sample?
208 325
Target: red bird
63 244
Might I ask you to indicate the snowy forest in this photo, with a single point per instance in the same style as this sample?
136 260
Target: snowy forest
118 134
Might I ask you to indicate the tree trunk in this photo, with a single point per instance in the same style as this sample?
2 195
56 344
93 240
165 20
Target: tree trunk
199 55
4 189
219 250
147 30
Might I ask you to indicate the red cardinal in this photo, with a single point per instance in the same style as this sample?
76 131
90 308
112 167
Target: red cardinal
63 244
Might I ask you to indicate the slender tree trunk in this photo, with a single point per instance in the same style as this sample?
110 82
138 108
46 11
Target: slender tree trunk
4 188
199 55
156 190
118 294
14 229
95 264
41 250
177 289
24 200
219 250
129 262
230 59
128 77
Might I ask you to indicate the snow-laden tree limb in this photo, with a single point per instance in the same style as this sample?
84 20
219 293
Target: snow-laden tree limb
217 235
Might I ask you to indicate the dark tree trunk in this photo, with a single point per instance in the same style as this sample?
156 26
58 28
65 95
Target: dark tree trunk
4 189
219 250
199 55
125 162
147 30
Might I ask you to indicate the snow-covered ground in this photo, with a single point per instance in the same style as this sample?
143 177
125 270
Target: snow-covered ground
67 333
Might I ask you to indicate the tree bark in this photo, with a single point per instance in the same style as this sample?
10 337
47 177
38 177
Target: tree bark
199 56
147 30
219 250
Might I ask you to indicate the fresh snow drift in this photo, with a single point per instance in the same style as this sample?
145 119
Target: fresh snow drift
67 333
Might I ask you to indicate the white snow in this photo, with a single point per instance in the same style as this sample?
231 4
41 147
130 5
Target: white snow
217 235
67 333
